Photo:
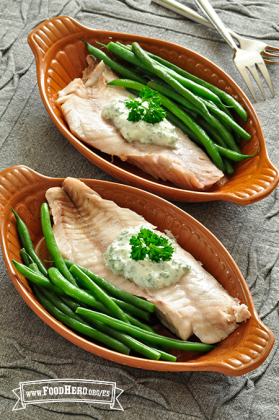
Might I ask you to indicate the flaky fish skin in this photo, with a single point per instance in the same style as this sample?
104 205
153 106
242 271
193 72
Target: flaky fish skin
85 224
82 102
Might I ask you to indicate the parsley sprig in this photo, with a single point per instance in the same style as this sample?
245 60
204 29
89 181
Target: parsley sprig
153 113
149 243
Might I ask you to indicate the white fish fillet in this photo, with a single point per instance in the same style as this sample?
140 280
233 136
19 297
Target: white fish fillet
82 102
85 224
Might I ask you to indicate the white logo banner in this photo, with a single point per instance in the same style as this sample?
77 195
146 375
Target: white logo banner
67 390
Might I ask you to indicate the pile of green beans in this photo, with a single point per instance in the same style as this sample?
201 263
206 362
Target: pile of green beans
205 116
89 304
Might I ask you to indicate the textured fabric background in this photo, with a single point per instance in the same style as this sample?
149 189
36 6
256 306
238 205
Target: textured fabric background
30 350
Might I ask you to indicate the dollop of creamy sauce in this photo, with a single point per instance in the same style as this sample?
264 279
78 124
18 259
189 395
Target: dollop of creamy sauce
145 273
161 133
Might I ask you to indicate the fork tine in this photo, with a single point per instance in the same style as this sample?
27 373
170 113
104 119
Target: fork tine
271 62
267 54
271 48
253 70
264 71
247 80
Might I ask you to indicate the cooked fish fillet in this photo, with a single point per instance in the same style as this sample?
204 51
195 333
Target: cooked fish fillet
82 102
84 226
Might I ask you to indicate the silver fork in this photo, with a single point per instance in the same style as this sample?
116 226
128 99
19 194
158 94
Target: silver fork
249 58
243 59
259 46
244 43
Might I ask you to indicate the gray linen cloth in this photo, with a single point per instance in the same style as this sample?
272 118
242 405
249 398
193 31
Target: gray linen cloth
30 350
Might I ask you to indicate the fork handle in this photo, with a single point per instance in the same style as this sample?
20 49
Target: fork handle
216 22
183 10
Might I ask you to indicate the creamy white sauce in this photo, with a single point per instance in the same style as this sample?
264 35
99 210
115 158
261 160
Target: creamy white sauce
145 273
162 133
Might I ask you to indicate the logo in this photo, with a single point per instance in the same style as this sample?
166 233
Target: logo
67 390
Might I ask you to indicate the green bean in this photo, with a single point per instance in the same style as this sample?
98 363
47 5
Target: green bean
27 243
61 305
177 71
150 66
68 306
166 356
99 293
224 117
201 134
231 154
115 291
228 120
190 112
131 342
235 156
228 166
143 70
80 326
167 77
221 147
72 303
100 55
238 138
134 92
52 245
136 60
127 307
25 257
83 296
75 303
33 266
75 292
226 98
212 132
163 354
131 319
181 76
147 336
224 133
35 277
179 124
138 323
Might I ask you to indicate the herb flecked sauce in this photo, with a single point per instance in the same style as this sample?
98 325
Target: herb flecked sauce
145 273
161 134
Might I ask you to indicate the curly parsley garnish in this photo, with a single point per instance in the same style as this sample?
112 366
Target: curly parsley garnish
149 243
153 113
